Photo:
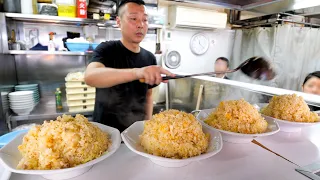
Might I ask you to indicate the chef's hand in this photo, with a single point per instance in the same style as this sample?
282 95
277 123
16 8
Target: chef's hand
152 74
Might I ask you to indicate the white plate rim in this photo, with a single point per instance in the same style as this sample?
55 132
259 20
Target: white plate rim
240 134
293 122
90 163
169 160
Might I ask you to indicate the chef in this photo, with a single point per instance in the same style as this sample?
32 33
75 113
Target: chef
116 68
221 64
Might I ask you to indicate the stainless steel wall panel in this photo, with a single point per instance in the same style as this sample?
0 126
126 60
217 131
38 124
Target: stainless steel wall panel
48 71
3 34
183 94
7 78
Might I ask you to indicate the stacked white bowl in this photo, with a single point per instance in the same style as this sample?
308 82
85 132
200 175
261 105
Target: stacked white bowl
4 101
21 102
30 87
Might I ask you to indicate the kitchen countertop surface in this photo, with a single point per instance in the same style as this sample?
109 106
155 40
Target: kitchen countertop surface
235 161
301 148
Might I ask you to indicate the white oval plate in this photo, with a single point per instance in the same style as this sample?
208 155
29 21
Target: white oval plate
10 156
131 138
233 137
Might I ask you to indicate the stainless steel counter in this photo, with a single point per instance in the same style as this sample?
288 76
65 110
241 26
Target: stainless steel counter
20 52
45 111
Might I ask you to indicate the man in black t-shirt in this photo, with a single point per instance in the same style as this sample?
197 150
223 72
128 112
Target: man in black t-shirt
116 68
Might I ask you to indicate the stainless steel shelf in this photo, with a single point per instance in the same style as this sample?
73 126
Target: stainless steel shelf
57 19
44 111
48 52
66 20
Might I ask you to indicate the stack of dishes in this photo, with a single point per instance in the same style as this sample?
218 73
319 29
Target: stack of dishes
4 100
6 88
30 87
21 102
80 96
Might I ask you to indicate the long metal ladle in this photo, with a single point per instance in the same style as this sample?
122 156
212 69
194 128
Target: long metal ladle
255 67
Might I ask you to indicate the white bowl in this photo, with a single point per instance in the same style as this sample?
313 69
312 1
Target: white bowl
131 138
23 99
20 93
24 111
22 106
22 102
287 126
233 137
10 156
290 126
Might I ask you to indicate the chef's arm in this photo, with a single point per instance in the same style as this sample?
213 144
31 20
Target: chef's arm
97 75
149 105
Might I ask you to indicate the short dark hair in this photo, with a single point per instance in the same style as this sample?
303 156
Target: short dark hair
311 75
223 59
124 2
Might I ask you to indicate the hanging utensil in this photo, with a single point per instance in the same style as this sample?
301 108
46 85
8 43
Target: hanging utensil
255 67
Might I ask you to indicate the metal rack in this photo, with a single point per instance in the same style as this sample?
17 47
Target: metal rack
270 20
33 18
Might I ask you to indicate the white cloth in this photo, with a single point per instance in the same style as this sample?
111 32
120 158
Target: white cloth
294 52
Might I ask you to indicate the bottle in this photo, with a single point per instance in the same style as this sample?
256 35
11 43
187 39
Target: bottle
58 95
51 45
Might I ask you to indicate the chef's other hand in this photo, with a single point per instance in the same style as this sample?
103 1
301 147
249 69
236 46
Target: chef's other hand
152 74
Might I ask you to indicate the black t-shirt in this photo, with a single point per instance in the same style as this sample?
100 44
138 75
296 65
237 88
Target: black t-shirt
122 105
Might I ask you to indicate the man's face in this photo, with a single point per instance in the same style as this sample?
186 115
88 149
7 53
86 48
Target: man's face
133 21
312 86
220 65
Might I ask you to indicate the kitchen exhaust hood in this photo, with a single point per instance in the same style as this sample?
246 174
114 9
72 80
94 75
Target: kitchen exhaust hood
259 6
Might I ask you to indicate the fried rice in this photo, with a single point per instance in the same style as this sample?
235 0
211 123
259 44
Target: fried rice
63 143
290 108
237 116
174 134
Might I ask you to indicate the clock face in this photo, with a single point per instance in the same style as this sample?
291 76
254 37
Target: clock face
199 44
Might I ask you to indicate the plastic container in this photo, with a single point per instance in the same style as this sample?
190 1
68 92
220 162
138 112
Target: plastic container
81 108
81 96
80 90
5 139
67 8
77 47
80 102
76 84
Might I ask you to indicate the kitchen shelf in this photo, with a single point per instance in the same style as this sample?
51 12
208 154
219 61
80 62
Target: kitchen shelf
45 111
58 19
49 53
36 18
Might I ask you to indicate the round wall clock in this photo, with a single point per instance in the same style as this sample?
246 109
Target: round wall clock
199 44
